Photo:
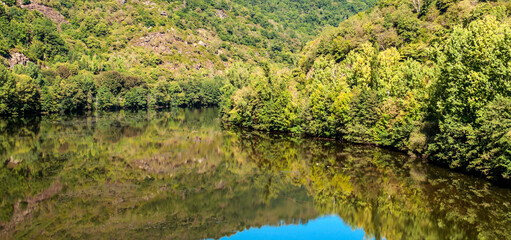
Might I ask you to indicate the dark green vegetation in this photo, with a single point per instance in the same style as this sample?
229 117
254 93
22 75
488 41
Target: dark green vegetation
429 77
85 55
153 175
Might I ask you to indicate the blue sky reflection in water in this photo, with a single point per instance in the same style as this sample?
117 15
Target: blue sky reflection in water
325 227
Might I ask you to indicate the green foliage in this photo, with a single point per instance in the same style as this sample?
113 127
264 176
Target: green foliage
173 53
31 70
381 78
7 91
474 71
27 94
72 94
114 81
210 91
47 42
18 93
9 2
494 134
105 98
101 29
136 98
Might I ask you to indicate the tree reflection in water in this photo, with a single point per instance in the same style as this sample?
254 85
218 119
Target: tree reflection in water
176 174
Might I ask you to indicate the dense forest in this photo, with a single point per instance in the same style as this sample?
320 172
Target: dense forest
70 56
429 77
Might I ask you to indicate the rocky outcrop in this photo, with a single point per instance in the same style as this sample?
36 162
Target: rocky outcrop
149 3
17 58
221 14
191 50
159 42
48 12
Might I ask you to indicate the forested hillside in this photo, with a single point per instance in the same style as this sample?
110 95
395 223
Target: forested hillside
68 56
429 77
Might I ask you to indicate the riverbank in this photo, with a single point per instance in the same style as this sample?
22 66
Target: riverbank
501 182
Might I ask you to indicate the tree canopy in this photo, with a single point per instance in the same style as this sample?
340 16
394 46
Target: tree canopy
431 79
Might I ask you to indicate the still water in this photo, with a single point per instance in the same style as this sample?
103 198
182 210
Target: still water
177 175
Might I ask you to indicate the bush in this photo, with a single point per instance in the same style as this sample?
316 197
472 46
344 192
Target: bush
63 71
9 2
223 57
105 99
136 98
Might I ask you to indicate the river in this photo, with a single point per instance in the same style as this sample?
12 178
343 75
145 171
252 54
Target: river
177 174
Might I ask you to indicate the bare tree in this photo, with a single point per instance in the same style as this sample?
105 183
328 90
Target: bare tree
417 4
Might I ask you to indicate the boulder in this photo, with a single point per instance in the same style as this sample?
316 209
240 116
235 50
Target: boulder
18 58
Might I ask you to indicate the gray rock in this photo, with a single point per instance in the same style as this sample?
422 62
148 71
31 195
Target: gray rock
18 58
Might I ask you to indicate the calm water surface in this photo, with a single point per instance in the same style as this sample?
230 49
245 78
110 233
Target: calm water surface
178 175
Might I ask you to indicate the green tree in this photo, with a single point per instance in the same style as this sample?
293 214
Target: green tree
474 71
7 91
105 98
28 94
49 42
136 98
494 139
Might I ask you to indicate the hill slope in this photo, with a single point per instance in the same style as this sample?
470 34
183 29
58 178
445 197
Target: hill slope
138 54
432 79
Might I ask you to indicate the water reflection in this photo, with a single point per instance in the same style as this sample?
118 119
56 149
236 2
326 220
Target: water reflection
177 175
325 227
